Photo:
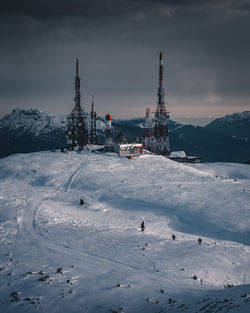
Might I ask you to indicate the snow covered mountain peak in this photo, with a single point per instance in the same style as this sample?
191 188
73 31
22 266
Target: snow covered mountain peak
236 116
236 125
32 121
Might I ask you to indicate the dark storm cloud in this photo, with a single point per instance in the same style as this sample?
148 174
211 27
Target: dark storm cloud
118 41
47 9
53 9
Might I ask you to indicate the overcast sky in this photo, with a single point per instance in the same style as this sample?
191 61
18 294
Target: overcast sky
205 44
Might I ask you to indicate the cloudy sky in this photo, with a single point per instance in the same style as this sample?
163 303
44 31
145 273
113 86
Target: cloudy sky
205 44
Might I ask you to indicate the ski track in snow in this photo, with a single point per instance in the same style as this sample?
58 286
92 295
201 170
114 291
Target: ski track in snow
28 227
30 219
70 178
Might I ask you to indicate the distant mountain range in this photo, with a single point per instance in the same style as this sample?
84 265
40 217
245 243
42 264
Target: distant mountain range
225 139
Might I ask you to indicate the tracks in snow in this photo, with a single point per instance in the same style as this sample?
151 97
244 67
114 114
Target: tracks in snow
28 224
29 227
66 186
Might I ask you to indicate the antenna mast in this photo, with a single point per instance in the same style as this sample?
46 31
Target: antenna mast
77 131
161 140
93 135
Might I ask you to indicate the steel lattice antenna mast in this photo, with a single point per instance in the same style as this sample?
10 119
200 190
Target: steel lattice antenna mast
77 131
161 140
77 98
148 134
93 135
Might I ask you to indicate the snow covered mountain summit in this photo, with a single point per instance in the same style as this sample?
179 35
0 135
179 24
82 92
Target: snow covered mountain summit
31 130
237 124
236 116
32 121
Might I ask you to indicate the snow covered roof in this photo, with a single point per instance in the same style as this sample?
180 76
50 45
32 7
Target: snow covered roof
177 154
132 145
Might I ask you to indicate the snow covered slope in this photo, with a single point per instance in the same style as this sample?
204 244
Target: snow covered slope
59 256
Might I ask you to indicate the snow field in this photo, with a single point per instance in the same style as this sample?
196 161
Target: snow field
100 244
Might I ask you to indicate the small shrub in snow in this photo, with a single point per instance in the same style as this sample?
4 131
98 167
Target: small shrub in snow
44 278
26 299
14 296
195 277
81 202
59 270
199 241
229 286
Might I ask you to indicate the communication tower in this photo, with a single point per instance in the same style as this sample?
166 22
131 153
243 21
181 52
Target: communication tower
93 135
148 130
77 131
160 142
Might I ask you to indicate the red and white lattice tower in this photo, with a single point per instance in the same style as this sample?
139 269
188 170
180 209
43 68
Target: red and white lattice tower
148 130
